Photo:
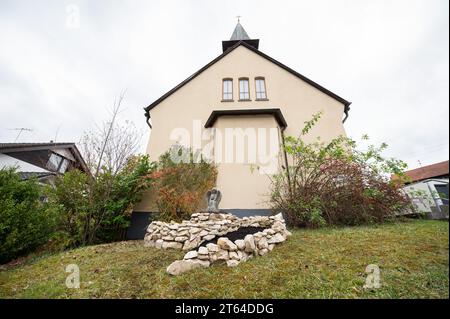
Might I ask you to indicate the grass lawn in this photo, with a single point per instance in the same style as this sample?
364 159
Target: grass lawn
328 263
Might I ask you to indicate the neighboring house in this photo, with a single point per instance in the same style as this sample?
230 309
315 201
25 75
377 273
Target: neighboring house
254 98
43 160
428 189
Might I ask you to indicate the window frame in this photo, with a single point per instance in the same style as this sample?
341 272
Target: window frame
64 164
54 166
248 89
223 90
258 78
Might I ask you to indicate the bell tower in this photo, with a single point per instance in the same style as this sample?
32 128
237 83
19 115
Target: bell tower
239 34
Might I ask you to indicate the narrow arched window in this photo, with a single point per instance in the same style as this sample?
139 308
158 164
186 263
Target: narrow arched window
260 86
244 91
227 89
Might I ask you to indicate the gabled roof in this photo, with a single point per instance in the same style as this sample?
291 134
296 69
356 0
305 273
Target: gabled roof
429 171
251 48
23 147
27 146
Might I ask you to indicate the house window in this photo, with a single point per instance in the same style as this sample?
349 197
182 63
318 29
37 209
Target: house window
260 85
442 191
227 88
244 93
63 168
54 161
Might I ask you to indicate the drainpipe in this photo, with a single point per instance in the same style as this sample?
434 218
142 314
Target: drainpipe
286 160
347 108
147 116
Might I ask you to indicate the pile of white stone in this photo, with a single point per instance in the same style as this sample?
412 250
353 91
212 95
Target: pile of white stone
189 235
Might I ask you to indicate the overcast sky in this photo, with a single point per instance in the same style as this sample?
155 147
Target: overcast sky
60 74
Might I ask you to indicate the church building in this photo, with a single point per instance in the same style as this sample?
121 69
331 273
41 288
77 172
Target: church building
236 111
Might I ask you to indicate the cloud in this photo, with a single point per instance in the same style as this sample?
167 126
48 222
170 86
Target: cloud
390 58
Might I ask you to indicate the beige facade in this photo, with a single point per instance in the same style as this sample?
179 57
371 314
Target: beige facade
188 108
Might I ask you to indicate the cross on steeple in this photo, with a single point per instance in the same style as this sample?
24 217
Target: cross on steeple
239 18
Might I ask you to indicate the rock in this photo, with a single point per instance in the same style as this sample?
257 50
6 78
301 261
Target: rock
173 233
222 255
181 239
212 257
234 255
209 237
203 257
243 256
183 233
194 237
191 254
278 226
249 244
240 244
171 245
212 247
168 238
203 217
203 251
262 252
269 231
277 238
215 216
270 247
262 243
258 235
191 244
203 233
181 266
155 236
158 243
278 216
232 263
226 244
194 230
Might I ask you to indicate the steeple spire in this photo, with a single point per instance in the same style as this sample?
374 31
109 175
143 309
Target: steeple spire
239 34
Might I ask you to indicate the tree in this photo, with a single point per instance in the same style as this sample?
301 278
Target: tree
98 209
109 146
97 206
26 222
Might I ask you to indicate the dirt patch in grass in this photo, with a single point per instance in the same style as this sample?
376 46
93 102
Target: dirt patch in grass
327 263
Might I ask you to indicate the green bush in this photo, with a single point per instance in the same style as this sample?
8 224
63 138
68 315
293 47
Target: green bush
336 183
98 209
26 222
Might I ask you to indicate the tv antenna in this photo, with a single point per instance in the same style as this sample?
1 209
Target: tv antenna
20 129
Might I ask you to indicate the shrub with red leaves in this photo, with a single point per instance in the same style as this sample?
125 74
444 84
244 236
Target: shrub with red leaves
336 183
181 186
